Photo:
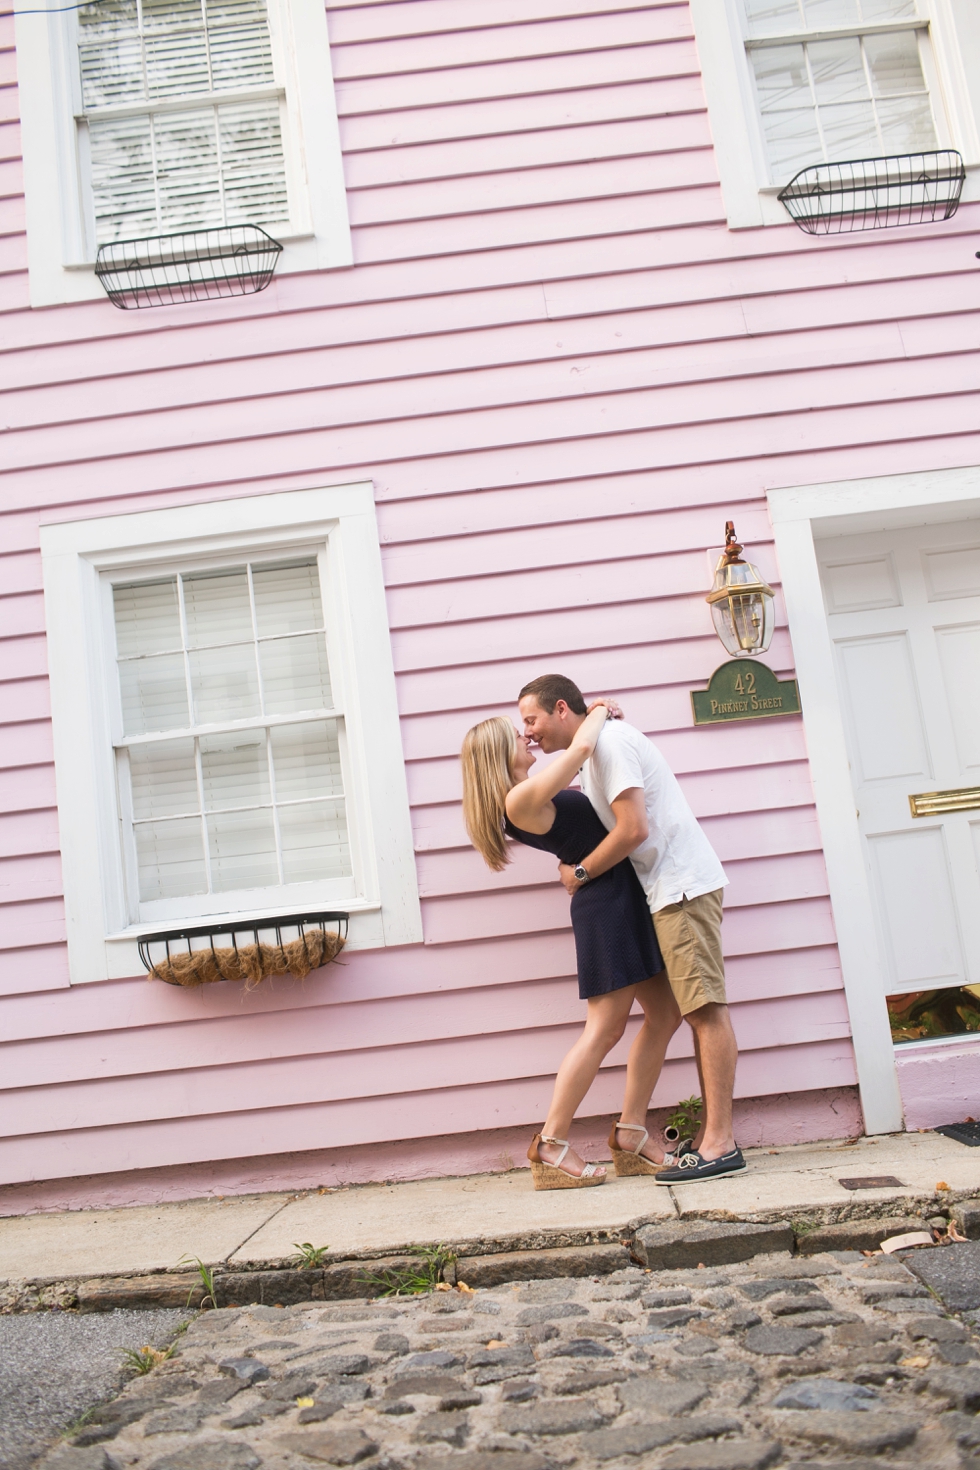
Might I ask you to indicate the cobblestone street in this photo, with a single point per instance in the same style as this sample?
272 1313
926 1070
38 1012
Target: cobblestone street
837 1360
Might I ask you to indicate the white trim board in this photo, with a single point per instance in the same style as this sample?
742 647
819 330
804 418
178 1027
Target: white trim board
76 555
801 516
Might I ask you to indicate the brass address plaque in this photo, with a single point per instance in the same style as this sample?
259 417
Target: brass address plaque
934 803
744 690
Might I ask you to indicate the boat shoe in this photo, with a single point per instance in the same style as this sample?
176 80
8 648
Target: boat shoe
691 1166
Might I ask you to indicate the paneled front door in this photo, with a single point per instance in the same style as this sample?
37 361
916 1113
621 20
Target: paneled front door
903 609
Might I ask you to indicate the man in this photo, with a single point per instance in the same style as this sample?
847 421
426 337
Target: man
638 799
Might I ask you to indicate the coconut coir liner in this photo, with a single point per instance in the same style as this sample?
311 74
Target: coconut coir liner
251 962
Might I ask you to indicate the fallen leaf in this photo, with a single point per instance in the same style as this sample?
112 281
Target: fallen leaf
443 1286
914 1362
462 1286
953 1233
305 1403
942 1184
496 1342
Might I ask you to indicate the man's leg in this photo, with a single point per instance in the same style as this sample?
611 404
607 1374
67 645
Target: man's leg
689 934
717 1053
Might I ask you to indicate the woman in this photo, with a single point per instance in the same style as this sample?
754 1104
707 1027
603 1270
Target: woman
615 944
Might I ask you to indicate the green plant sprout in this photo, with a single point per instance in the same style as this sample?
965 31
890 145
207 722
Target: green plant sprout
310 1256
413 1280
207 1281
687 1117
143 1360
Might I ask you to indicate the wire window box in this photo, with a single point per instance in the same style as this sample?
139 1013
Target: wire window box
197 265
249 952
876 193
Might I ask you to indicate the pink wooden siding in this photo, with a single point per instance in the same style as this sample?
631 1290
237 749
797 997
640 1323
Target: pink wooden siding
563 372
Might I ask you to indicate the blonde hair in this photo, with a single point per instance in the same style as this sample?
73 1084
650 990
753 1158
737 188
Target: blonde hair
488 759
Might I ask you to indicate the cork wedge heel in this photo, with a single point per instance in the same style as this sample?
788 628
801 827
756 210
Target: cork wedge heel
630 1160
553 1176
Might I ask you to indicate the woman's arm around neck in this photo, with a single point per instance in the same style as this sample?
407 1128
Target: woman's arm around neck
530 801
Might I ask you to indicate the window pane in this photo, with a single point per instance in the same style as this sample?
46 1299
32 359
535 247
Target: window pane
235 769
177 64
123 181
252 167
824 14
849 132
287 599
906 125
773 17
838 72
225 684
887 9
314 842
306 759
241 56
147 618
112 71
217 608
894 64
295 675
792 141
781 78
170 857
163 778
243 850
154 694
186 153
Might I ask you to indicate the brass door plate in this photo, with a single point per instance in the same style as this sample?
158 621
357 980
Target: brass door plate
934 803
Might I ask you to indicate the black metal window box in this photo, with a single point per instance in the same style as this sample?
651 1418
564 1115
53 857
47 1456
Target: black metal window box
876 193
197 265
318 940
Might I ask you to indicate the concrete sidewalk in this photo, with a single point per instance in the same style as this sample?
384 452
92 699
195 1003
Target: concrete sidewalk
488 1212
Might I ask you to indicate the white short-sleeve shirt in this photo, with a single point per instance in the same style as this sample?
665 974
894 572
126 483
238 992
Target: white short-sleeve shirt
677 861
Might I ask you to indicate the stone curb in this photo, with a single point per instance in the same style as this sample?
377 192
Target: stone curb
658 1246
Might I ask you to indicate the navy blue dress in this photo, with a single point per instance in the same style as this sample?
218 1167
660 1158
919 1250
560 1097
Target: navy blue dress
615 942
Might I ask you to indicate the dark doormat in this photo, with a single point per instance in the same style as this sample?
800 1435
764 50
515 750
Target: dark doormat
968 1133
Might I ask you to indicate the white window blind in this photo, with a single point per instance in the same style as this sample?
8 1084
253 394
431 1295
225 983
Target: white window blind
856 89
183 115
229 763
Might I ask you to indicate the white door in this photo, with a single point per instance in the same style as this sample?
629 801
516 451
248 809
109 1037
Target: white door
904 614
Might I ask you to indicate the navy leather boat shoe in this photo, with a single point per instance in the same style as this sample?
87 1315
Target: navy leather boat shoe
691 1166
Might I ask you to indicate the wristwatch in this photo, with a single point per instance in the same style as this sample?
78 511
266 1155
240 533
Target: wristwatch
581 874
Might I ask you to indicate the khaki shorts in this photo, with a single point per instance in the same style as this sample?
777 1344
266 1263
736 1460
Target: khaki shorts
689 935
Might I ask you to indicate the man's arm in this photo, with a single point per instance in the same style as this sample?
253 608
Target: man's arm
629 809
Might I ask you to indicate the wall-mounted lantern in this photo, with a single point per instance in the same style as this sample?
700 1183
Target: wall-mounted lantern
742 604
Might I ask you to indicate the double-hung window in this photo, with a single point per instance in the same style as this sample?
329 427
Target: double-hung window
152 117
231 750
793 83
182 116
226 731
838 79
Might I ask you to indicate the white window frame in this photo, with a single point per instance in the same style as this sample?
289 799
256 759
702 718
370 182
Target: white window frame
60 247
951 63
802 515
80 559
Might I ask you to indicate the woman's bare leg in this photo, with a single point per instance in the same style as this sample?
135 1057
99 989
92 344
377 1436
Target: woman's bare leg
661 1018
604 1026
